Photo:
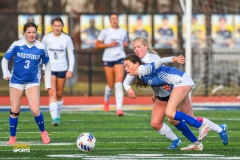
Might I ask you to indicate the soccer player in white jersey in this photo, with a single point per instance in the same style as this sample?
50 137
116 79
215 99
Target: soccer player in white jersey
154 75
27 55
59 45
113 40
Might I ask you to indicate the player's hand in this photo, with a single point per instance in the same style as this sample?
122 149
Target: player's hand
68 75
180 59
113 43
167 87
154 98
47 89
7 78
131 93
125 44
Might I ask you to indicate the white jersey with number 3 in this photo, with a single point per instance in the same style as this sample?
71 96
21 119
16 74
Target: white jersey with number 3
57 47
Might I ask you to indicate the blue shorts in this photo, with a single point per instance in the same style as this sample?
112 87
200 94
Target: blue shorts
112 63
61 74
163 98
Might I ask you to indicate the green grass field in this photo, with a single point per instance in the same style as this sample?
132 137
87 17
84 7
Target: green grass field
128 137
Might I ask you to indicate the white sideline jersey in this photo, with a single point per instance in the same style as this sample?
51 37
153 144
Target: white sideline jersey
148 58
27 61
57 47
107 36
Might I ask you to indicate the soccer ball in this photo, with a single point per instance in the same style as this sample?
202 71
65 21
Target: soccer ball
86 142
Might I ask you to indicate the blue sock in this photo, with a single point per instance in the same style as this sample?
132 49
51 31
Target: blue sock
182 117
186 132
13 122
40 122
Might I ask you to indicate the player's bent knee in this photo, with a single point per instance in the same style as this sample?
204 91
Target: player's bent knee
15 114
156 126
59 95
35 112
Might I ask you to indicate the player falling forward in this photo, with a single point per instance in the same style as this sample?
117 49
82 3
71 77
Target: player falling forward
148 55
181 84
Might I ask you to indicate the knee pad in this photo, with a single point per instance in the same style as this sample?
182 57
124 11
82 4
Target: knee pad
14 114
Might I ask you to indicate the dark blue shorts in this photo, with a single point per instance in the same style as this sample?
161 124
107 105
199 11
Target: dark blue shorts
61 74
163 98
112 63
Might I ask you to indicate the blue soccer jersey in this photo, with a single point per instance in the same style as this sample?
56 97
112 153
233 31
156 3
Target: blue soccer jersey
27 61
164 75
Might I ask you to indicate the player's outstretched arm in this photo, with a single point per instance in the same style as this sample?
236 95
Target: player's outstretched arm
178 59
126 84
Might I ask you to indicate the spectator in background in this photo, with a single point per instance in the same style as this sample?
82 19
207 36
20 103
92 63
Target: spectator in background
113 40
224 36
139 30
166 35
89 35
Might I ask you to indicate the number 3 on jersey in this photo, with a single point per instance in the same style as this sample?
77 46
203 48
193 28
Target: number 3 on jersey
27 63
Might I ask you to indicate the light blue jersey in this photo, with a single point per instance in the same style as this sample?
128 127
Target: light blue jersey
27 61
164 75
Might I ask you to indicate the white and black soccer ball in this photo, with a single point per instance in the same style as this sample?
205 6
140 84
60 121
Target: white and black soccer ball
86 142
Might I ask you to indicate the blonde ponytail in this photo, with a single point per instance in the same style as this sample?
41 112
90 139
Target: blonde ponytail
152 51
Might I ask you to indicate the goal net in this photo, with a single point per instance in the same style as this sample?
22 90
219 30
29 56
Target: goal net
215 39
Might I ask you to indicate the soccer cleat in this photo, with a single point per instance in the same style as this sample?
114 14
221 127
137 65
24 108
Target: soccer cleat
203 131
12 140
56 122
106 106
224 134
193 147
119 112
175 143
45 137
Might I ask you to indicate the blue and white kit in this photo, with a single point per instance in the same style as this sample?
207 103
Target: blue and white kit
155 75
27 62
148 58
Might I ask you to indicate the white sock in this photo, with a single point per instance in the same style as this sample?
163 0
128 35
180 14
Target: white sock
107 93
53 109
213 127
167 132
59 108
119 95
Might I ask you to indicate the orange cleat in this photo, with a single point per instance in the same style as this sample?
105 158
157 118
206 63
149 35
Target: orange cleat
106 106
12 140
45 137
119 112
